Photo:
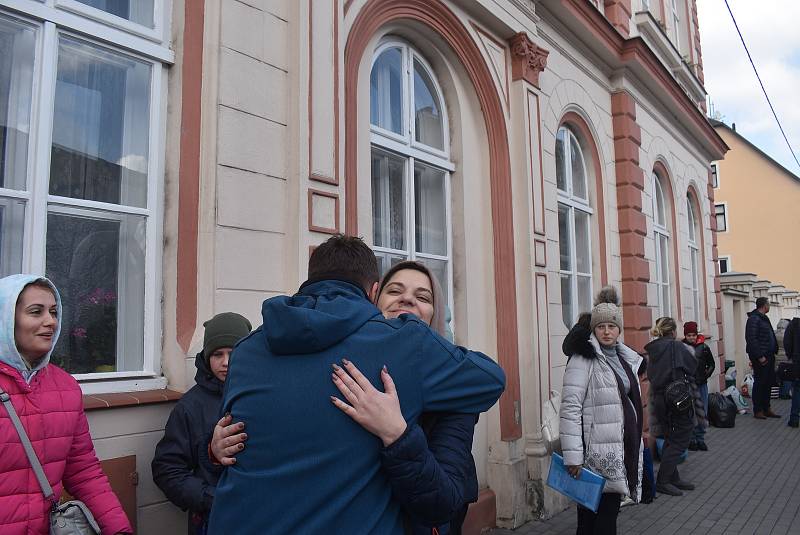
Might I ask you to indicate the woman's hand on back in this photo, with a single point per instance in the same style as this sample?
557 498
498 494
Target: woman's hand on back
377 412
227 440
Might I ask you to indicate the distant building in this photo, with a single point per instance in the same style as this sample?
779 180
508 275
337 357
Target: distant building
757 209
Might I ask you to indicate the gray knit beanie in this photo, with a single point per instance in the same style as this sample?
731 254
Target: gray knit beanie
606 308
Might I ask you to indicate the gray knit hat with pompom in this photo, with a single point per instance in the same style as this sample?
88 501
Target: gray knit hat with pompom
606 308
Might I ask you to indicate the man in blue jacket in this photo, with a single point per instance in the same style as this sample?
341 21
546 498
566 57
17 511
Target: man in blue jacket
307 467
762 345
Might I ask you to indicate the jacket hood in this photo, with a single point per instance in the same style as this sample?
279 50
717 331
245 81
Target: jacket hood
577 342
10 288
319 316
205 377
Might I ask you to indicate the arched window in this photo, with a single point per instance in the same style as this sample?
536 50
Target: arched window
574 234
410 162
661 234
694 257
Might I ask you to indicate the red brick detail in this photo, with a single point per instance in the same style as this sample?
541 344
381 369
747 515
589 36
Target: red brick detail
717 287
482 514
618 13
528 59
719 315
634 293
632 222
721 347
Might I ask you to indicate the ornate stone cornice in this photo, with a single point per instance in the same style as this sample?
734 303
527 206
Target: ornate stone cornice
527 59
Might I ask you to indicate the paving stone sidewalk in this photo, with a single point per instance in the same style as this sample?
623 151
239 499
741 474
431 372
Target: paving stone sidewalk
748 483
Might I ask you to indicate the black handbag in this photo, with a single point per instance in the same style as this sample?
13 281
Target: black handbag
678 393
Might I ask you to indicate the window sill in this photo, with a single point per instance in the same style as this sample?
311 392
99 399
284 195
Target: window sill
128 399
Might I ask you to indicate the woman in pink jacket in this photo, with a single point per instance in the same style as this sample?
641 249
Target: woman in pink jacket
49 403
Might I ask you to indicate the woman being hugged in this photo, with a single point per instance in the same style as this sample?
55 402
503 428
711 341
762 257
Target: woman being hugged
49 404
668 361
601 415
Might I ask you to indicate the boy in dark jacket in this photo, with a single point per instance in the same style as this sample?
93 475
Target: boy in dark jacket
791 343
705 367
181 467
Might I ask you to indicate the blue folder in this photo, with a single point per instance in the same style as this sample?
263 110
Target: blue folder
586 490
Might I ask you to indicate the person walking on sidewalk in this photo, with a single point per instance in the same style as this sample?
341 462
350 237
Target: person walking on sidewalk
670 361
705 367
762 345
791 343
601 413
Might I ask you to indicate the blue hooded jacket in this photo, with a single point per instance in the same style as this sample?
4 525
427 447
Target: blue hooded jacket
307 467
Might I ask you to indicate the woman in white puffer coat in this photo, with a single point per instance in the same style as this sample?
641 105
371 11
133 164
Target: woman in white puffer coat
601 415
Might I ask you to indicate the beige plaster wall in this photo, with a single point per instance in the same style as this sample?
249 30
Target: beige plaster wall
762 201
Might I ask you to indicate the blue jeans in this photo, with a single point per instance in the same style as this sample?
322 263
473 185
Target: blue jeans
795 411
699 434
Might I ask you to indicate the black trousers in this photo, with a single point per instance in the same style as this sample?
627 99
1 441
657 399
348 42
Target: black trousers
675 443
762 388
604 521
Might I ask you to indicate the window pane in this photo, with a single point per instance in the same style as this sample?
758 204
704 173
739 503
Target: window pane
388 200
386 91
564 238
386 261
17 45
659 203
100 125
561 172
690 212
439 270
12 221
582 242
566 300
427 110
138 11
584 294
97 262
578 169
665 302
430 209
663 246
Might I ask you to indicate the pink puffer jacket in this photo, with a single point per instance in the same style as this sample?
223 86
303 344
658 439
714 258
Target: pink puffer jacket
51 409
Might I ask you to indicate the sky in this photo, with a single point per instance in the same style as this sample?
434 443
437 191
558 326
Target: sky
771 29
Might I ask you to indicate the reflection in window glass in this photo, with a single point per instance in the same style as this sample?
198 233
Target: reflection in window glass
439 270
386 91
427 114
564 237
660 211
582 242
429 210
100 126
578 169
561 171
17 45
388 200
138 11
566 301
96 260
12 221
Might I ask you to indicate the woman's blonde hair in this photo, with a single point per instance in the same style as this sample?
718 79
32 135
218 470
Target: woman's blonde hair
664 327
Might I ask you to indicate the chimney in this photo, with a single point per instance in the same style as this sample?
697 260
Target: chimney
733 127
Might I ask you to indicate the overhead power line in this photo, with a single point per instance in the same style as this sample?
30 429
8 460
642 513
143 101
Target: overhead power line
771 107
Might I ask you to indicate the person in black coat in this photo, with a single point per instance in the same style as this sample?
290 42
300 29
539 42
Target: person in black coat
181 466
791 343
705 367
762 345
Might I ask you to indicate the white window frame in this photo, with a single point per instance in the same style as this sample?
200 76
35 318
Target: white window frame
661 233
676 20
573 203
727 259
59 17
405 146
694 258
714 175
724 214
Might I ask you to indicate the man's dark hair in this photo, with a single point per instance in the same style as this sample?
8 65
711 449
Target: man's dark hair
344 258
761 302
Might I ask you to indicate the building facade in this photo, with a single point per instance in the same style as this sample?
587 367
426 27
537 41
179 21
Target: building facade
164 161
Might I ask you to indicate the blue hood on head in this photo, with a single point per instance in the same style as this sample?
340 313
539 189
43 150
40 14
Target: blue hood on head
10 288
320 315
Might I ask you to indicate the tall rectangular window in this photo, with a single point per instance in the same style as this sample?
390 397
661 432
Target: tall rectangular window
714 175
79 176
721 214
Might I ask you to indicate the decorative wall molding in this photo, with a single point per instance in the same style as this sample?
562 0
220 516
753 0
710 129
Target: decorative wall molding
540 253
314 224
496 54
528 59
